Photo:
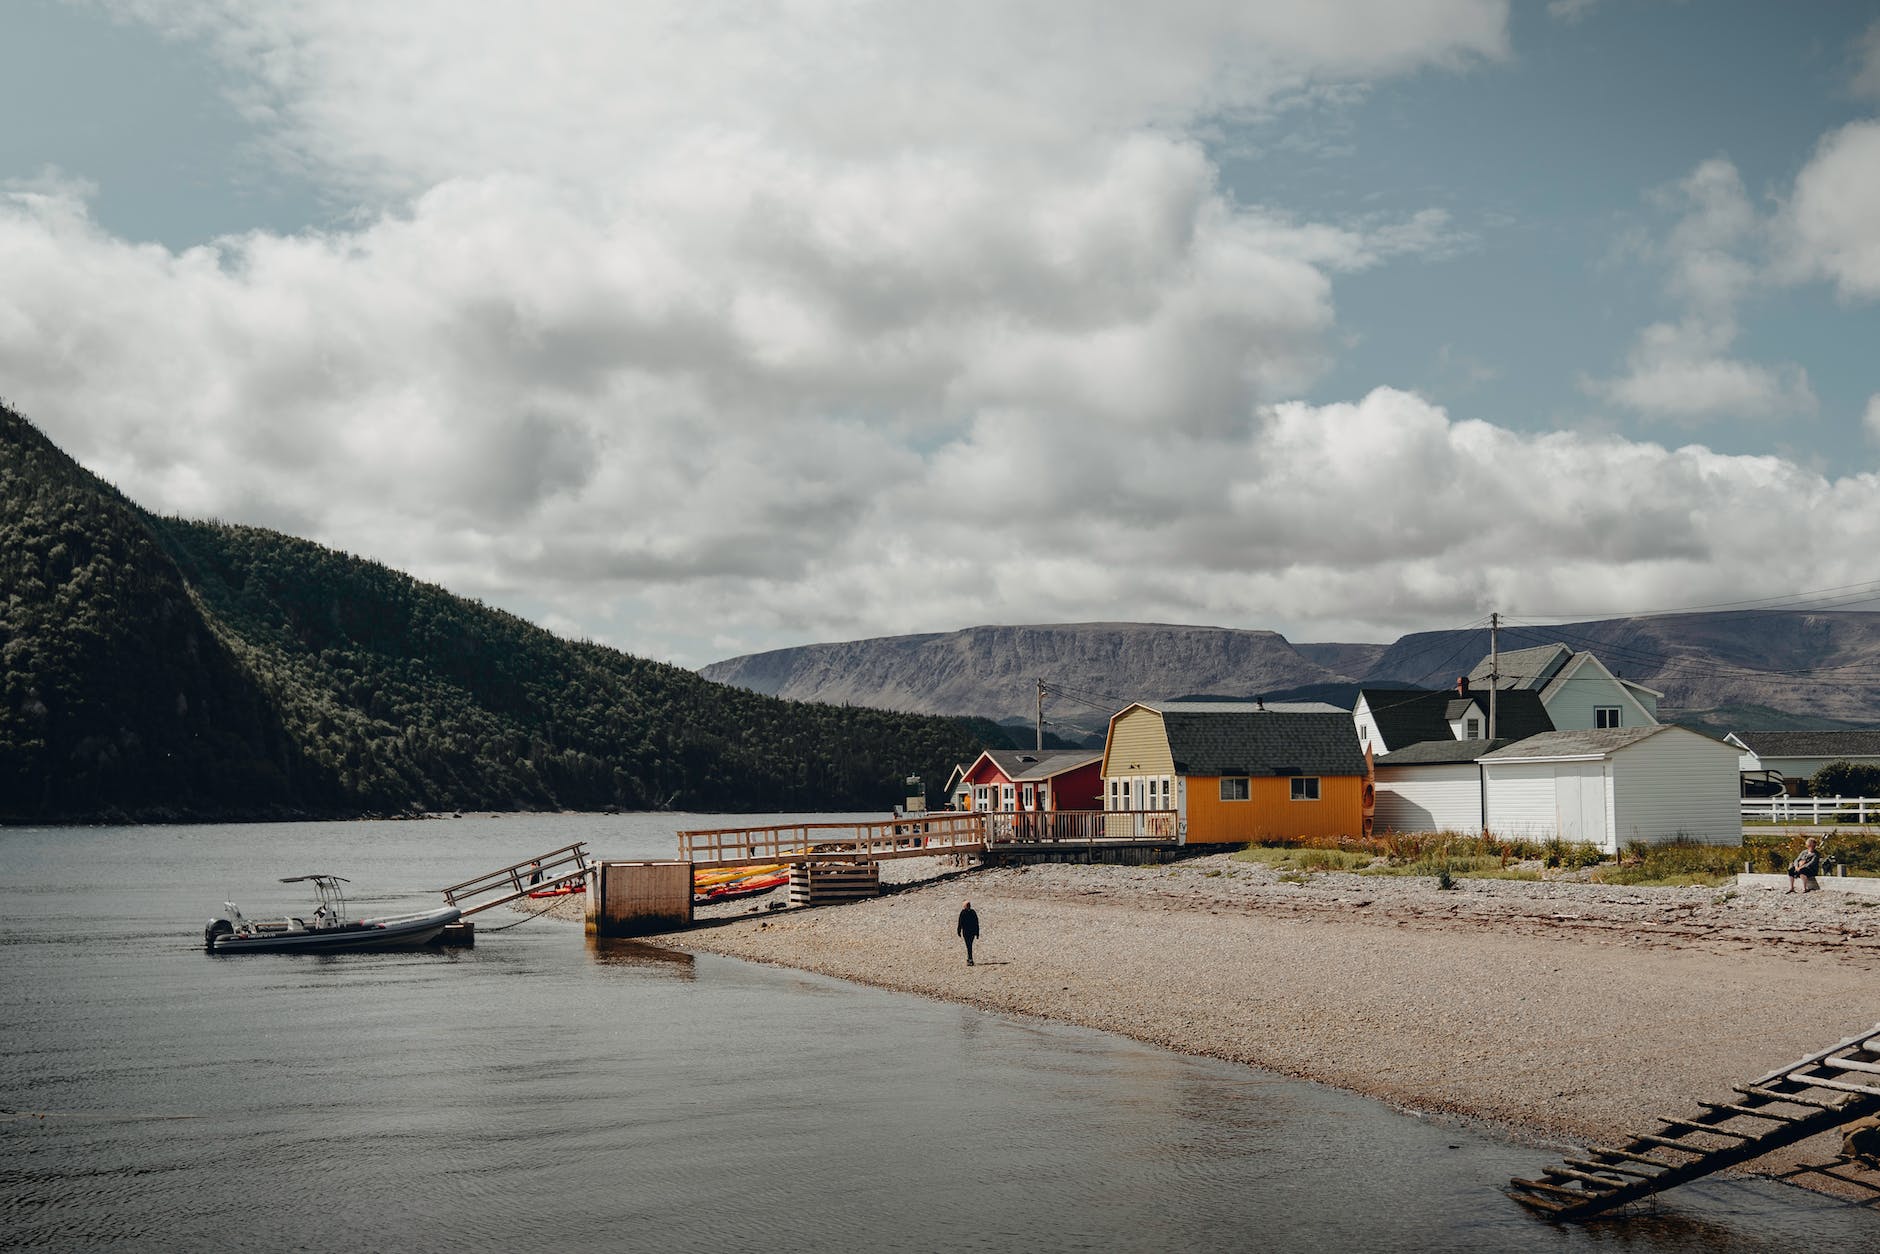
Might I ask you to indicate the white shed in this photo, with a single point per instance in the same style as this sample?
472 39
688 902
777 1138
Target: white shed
1613 786
1434 786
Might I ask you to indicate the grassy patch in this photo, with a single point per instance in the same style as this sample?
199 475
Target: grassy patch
1304 858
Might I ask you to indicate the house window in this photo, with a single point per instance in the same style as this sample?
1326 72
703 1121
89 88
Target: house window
1472 728
1305 788
1007 792
1605 716
1030 794
1234 788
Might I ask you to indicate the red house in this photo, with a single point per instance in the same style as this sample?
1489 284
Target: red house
1006 780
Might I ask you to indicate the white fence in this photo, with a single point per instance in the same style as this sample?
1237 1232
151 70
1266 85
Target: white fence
1811 810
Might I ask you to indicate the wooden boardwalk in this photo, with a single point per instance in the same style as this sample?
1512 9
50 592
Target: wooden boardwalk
959 832
1813 1095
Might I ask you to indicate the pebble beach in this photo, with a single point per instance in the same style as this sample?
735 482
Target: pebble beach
1562 1013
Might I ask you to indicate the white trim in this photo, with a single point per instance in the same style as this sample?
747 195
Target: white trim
1563 757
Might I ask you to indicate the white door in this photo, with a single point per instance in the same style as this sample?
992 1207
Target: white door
1580 799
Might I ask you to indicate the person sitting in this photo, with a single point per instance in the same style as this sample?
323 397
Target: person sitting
1806 867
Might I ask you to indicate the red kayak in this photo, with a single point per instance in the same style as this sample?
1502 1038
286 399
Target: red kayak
562 890
742 888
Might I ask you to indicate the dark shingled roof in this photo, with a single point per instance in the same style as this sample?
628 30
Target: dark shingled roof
1408 716
1441 752
1812 744
1277 742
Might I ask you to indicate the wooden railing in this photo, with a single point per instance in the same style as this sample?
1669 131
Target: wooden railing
910 837
1045 827
506 884
1811 810
914 836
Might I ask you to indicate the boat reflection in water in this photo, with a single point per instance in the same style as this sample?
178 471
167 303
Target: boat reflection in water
328 930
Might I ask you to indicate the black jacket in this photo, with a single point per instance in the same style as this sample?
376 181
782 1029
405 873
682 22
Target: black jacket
969 922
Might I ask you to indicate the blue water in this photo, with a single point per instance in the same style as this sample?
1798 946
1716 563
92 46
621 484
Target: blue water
547 1092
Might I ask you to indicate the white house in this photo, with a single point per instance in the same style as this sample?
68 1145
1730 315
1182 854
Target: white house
1392 719
1432 786
1795 755
1576 689
1613 786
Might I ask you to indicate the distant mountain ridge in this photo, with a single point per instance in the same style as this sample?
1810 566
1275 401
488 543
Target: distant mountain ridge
1718 671
994 670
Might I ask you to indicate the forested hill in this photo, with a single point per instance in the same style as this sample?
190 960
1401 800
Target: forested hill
153 668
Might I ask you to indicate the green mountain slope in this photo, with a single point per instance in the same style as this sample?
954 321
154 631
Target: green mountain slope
157 668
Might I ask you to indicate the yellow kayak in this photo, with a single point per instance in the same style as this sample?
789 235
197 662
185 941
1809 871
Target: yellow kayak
724 875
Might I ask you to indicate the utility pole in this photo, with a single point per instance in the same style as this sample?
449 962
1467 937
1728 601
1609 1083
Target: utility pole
1040 745
1494 668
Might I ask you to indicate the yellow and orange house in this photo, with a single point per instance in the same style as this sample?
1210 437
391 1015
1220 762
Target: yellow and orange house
1235 772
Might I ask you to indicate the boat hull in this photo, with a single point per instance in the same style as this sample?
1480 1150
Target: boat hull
403 932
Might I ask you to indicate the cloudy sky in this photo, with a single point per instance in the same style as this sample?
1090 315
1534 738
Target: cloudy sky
699 328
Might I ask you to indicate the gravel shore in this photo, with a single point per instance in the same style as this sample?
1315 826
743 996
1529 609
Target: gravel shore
1559 1012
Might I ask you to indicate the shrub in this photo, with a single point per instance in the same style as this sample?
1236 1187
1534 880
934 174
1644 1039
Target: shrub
1845 779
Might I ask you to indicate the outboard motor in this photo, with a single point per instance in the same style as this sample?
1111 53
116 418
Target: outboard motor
217 927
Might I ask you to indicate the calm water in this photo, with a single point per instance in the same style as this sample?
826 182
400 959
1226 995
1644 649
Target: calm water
542 1092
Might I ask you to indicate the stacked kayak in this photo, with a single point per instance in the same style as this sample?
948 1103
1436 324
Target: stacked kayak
743 882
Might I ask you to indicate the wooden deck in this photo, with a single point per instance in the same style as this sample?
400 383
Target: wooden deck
960 832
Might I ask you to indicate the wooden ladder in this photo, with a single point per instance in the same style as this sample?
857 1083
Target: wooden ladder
1817 1094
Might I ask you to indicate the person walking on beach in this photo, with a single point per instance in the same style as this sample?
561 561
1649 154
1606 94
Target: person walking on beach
968 929
1806 867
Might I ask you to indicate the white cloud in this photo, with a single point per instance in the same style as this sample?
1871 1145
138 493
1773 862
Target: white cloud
1867 67
1571 12
402 96
1685 371
645 302
1829 226
1382 515
1682 372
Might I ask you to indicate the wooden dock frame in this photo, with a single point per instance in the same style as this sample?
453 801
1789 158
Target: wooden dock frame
1812 1095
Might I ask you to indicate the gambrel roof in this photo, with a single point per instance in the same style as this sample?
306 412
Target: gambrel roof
1273 742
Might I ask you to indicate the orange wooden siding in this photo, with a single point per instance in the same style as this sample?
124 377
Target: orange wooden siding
1269 812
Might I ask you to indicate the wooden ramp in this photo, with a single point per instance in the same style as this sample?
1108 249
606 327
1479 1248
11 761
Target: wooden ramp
1817 1094
519 879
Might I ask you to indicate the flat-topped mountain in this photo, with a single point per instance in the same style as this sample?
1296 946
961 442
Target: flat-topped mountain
993 671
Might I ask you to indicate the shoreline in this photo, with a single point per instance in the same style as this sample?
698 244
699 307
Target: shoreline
1557 1013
